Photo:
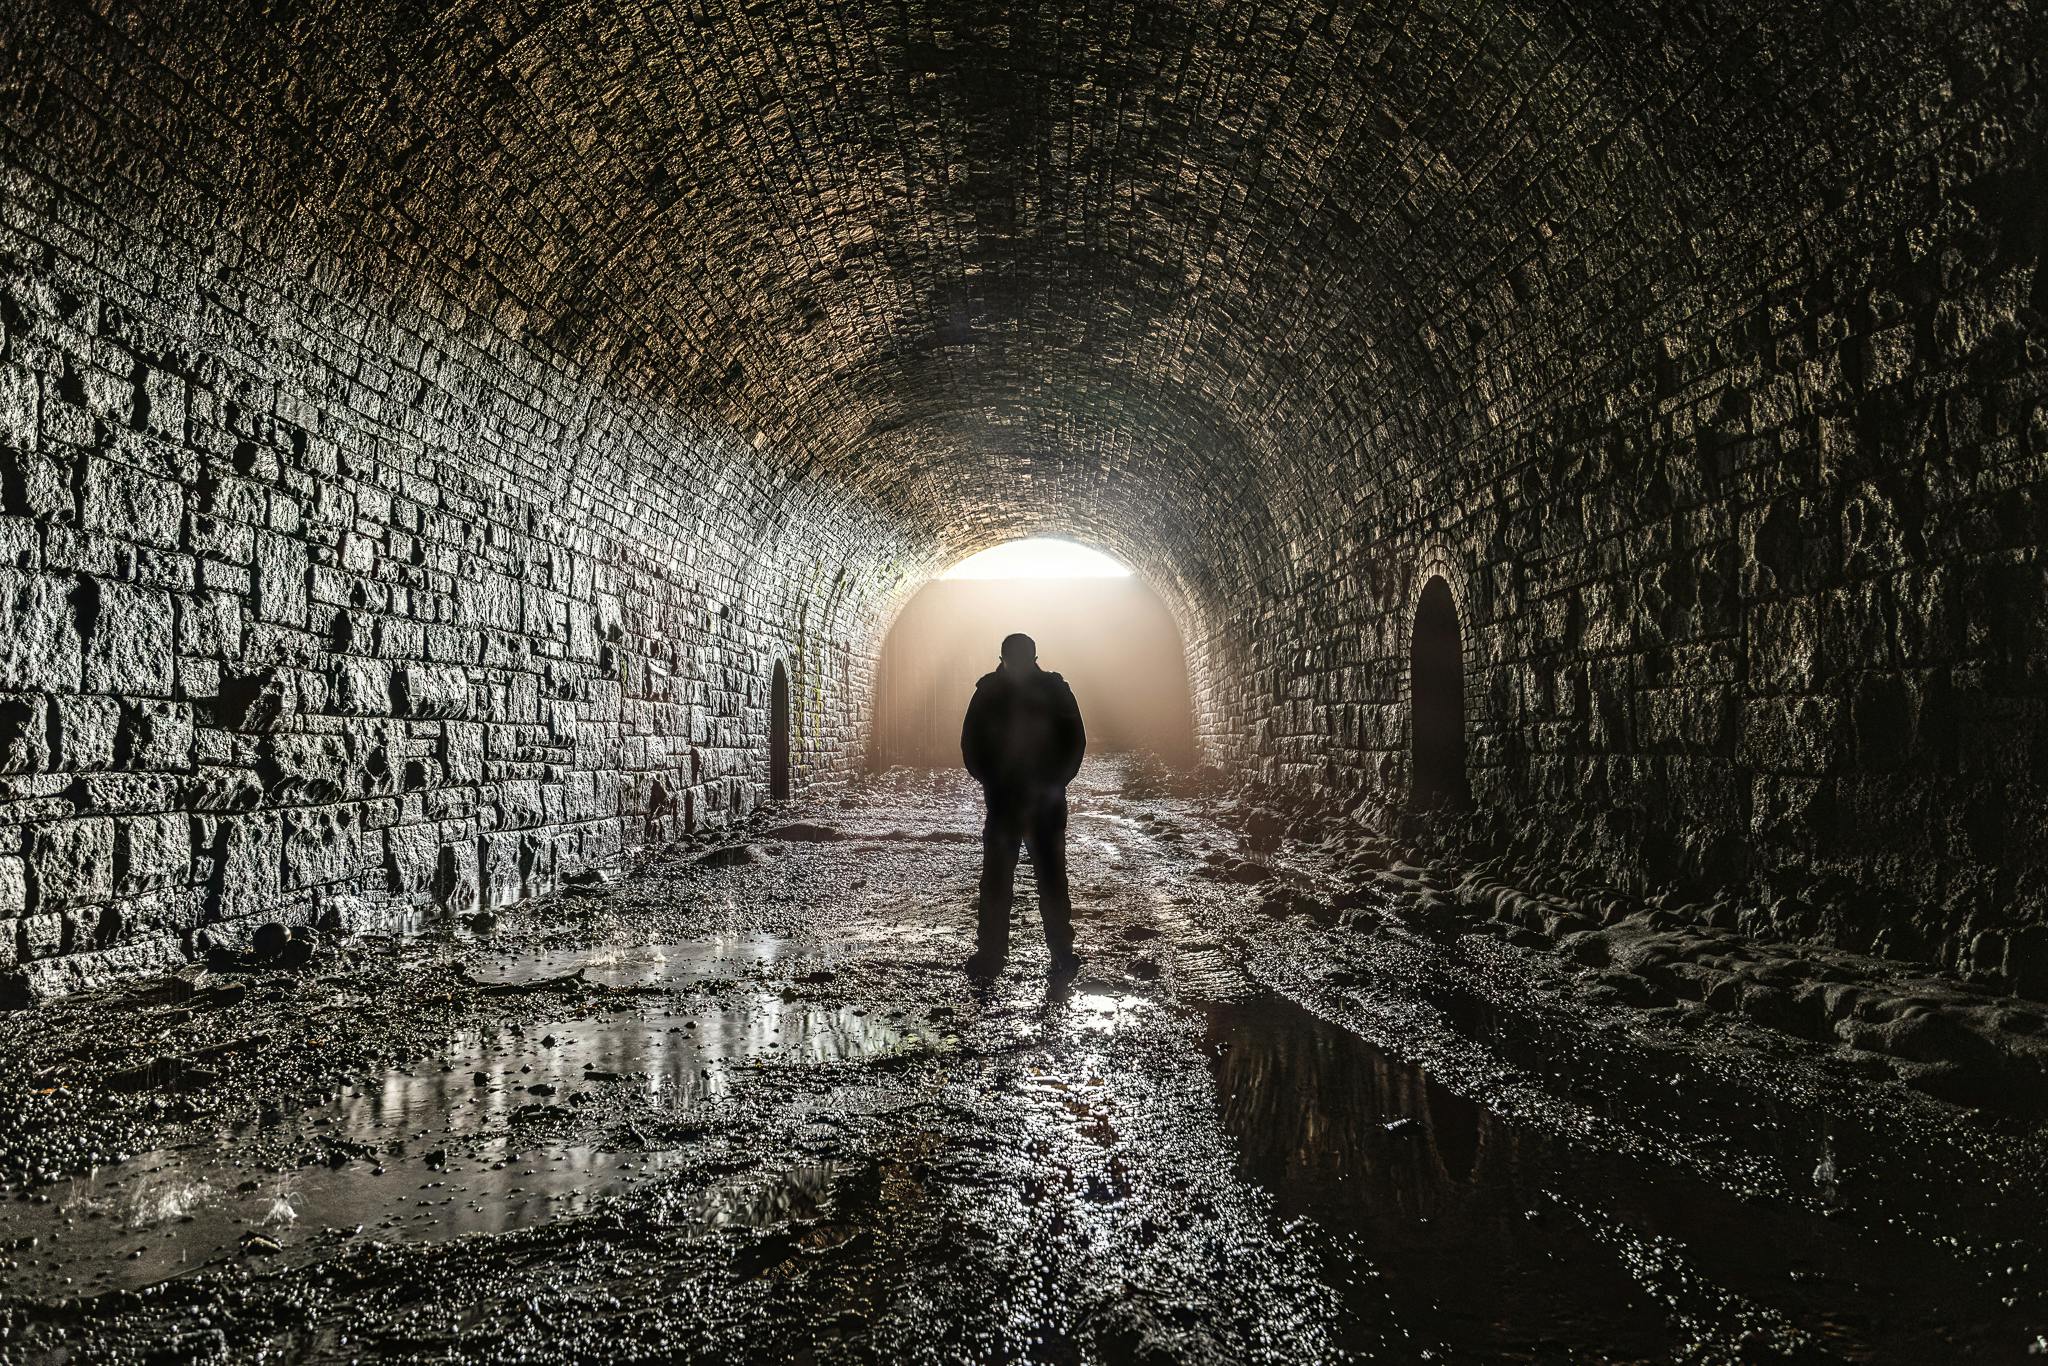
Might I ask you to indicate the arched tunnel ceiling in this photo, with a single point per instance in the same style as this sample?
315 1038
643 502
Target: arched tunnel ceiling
1171 275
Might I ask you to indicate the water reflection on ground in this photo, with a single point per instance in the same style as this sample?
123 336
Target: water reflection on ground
1434 1188
644 965
423 1153
1454 1205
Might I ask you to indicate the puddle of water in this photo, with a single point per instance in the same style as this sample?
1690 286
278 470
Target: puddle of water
436 1130
678 1057
643 965
1451 1203
1097 1008
1440 1202
170 1213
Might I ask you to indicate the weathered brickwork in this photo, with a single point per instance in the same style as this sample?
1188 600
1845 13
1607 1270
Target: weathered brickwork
319 603
1749 561
423 432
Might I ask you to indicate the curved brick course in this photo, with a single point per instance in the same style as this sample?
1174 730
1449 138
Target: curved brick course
422 438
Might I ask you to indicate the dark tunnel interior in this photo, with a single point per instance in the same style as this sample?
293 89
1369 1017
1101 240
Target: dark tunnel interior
520 838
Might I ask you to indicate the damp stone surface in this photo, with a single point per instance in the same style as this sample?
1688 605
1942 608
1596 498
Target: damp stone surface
1293 1116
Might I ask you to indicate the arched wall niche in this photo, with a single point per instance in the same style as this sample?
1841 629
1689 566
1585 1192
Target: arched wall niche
779 734
1439 730
1439 599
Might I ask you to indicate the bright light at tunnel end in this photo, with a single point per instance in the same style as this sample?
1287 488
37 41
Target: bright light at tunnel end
1039 557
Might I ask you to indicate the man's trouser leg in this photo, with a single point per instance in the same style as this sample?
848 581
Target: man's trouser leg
1000 836
1047 837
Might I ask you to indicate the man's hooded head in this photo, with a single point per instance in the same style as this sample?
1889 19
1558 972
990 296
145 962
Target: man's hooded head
1020 653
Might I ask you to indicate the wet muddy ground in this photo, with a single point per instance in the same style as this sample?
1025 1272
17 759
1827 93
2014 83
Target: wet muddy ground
743 1106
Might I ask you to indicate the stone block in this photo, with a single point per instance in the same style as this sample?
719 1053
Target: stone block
351 629
81 552
94 969
20 541
150 851
1789 811
71 862
13 885
123 502
1784 644
522 699
127 633
412 855
502 879
281 570
20 396
86 730
1887 355
542 613
519 804
580 797
44 935
305 769
24 733
155 736
361 687
430 693
398 638
38 487
210 625
452 644
322 845
216 788
124 791
462 752
490 600
248 863
450 804
1791 735
455 880
40 646
255 700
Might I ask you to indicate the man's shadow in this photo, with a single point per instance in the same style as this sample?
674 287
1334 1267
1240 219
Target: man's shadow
1059 992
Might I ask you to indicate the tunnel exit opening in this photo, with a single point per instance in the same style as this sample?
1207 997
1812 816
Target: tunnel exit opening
1096 624
1436 692
778 735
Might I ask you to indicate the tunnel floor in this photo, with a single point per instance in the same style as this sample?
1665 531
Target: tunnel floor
743 1106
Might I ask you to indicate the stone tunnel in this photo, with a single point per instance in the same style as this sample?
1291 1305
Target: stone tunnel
459 463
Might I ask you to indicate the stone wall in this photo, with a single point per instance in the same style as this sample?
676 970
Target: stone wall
1749 567
316 601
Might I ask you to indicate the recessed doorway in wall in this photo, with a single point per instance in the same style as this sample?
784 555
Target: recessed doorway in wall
1436 693
778 735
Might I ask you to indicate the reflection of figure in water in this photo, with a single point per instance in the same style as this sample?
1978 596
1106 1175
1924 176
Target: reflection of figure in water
1023 743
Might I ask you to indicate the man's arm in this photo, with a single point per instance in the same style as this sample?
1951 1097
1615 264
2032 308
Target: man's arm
971 740
1073 737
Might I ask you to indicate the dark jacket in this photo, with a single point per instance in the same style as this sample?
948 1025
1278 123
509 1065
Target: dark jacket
1022 735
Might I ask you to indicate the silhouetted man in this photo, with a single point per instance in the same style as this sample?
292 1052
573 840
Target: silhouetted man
1023 743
